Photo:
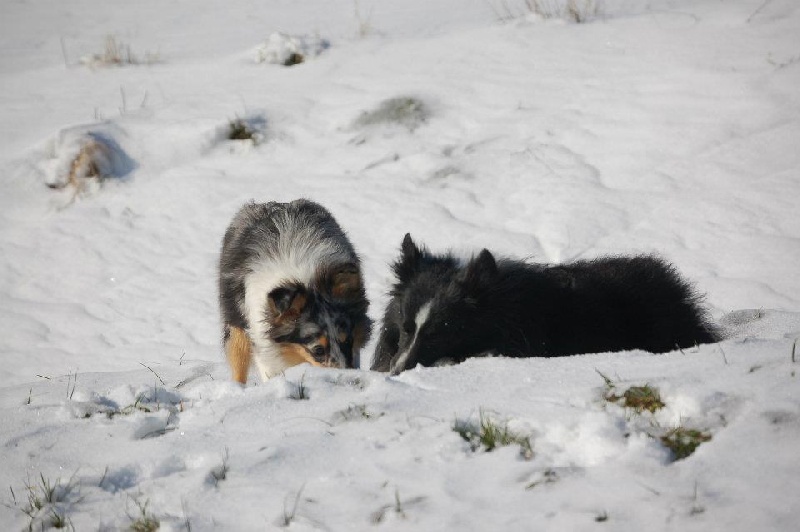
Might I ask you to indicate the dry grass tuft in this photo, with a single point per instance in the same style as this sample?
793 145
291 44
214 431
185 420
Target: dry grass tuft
116 53
683 441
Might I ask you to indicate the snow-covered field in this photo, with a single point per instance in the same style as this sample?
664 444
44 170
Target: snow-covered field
665 126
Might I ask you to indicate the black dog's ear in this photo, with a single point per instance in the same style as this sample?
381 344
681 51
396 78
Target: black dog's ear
410 255
410 250
480 270
287 302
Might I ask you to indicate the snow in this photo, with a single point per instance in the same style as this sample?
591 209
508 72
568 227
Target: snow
282 49
669 126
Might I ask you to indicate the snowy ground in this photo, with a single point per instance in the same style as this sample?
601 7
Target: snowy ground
667 126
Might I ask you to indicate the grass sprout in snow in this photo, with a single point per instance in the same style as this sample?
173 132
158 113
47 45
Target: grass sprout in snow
290 515
220 472
398 508
239 130
298 391
251 129
46 493
44 499
683 441
59 520
489 434
145 521
637 398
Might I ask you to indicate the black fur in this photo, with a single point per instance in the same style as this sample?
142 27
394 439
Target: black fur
516 309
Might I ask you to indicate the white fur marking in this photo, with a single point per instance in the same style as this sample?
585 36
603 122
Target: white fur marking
257 286
422 316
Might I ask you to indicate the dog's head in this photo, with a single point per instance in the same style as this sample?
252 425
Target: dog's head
325 323
438 308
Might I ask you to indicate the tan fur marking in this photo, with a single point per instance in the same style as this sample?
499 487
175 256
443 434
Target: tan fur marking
294 354
292 313
298 303
341 337
323 341
346 284
239 350
359 336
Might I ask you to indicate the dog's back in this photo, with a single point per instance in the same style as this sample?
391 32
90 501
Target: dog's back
289 235
620 303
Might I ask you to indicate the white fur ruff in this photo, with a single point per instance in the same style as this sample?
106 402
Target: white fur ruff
295 264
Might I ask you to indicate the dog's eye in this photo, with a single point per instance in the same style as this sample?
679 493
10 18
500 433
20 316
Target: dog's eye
318 351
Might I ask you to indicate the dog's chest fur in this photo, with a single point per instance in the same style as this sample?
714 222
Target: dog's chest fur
265 277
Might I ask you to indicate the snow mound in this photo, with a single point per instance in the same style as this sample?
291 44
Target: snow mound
404 111
242 133
288 50
82 157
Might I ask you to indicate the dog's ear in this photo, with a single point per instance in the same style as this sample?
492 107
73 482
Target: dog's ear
407 265
346 282
410 249
480 270
287 302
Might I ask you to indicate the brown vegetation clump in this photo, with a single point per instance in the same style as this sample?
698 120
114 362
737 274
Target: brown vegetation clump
92 162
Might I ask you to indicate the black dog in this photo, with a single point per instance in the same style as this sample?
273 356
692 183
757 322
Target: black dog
442 310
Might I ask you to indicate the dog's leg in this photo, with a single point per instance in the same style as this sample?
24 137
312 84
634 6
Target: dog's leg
240 353
388 345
